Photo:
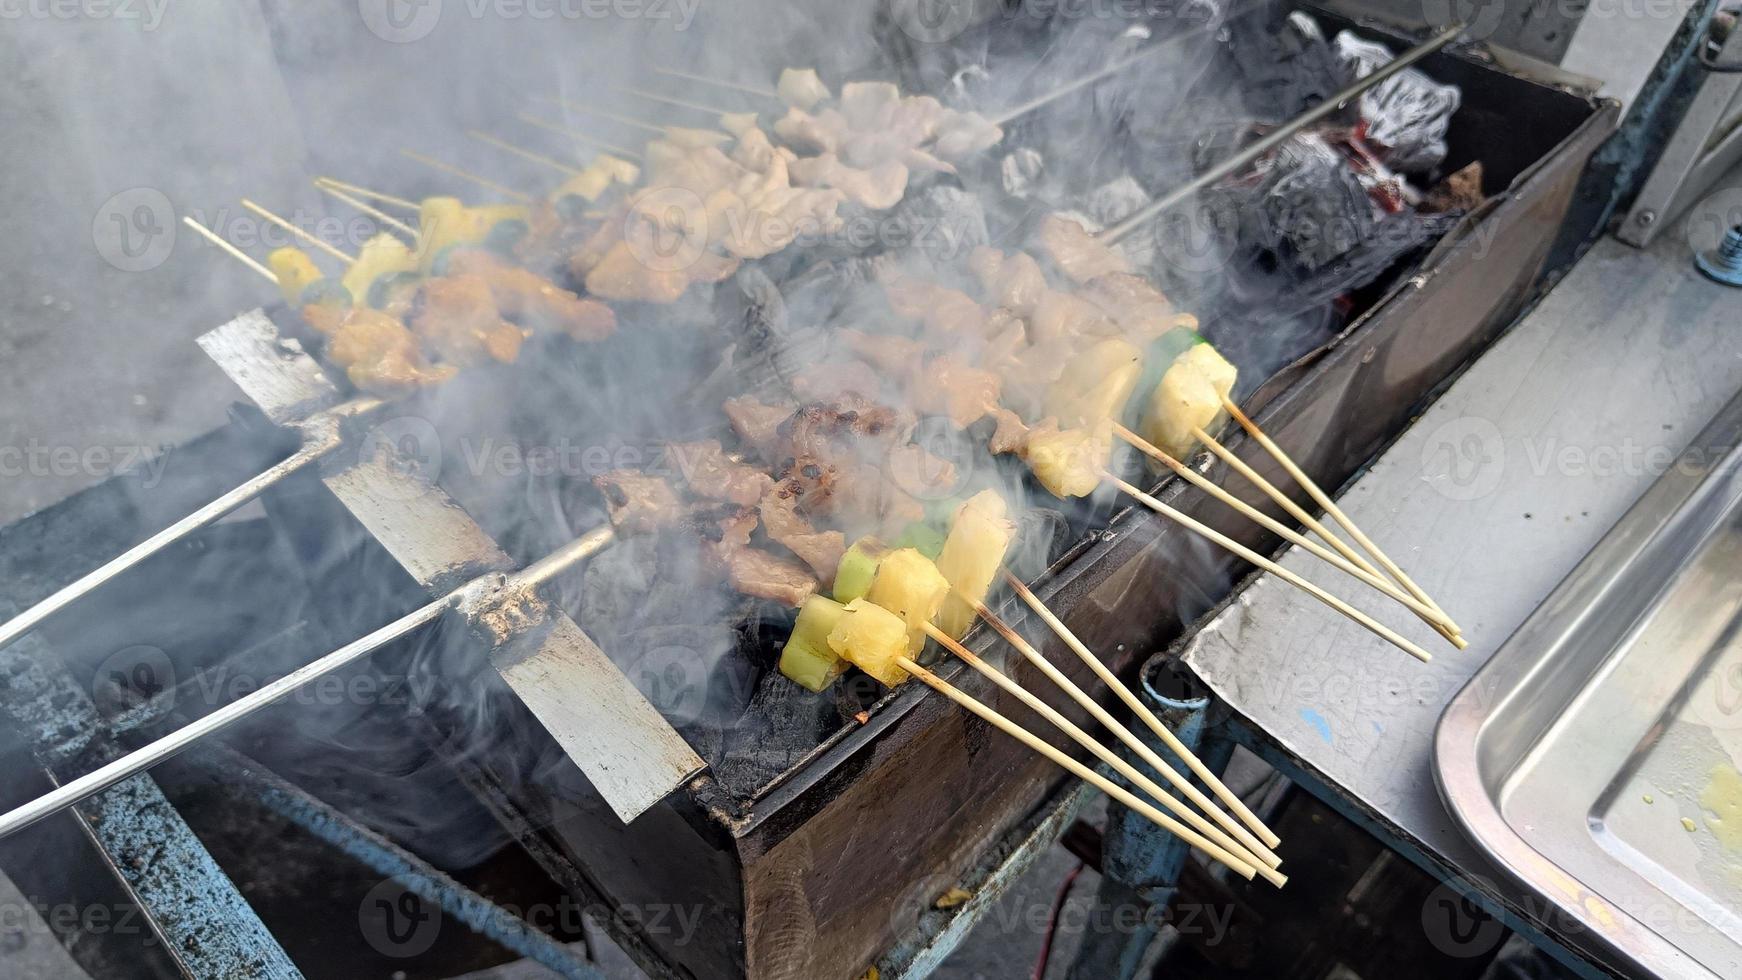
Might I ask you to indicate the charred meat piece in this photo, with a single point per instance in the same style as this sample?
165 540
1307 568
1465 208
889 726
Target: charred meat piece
1076 252
781 520
961 135
758 424
533 300
822 429
1061 316
832 379
377 352
1011 434
708 471
622 275
457 319
1013 281
637 502
949 386
878 187
919 473
727 525
1142 311
758 573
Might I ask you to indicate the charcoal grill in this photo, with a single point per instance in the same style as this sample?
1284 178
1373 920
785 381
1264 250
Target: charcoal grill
823 868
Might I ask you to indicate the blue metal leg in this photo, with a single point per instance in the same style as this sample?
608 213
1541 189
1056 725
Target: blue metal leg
1140 862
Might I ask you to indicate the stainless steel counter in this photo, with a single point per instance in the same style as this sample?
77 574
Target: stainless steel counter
1489 500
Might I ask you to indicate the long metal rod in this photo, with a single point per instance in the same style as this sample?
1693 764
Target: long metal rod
151 754
1278 136
1010 115
319 440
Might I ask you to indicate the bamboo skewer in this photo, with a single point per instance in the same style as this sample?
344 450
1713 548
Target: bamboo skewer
449 168
302 233
601 113
680 103
398 202
1242 868
576 134
764 92
551 162
368 209
1247 842
1441 623
1278 528
1227 851
1326 503
235 253
1273 568
1142 711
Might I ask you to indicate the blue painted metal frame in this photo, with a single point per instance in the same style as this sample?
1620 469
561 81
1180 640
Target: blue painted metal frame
188 901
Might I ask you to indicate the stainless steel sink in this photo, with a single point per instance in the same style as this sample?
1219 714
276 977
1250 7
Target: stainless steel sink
1596 756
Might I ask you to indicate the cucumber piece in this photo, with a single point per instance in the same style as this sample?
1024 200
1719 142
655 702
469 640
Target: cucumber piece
909 585
506 234
858 568
324 292
807 660
924 537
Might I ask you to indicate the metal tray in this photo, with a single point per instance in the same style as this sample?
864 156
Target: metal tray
1596 756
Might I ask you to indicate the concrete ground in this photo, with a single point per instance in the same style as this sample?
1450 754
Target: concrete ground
117 126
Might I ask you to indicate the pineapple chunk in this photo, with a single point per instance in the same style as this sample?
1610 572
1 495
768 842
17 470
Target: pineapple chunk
1069 462
380 256
1189 396
910 586
295 272
441 221
872 638
807 659
1096 384
858 568
978 540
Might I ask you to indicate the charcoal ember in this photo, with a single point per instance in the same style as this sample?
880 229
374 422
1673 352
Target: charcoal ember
1311 205
941 223
781 725
1461 191
1282 63
1022 171
1043 535
1405 116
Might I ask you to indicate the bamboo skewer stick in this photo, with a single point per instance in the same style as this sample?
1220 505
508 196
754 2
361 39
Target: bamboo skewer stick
398 202
449 168
1247 842
1446 629
680 103
1273 568
1226 847
764 92
302 233
368 209
1242 868
551 162
235 253
1278 528
601 113
1142 711
1327 504
576 134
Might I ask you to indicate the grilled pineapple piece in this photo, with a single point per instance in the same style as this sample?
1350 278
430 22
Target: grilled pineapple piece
807 659
978 540
1069 462
1189 396
910 586
295 271
872 638
380 256
1096 384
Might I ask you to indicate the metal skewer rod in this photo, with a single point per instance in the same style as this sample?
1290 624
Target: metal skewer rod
154 752
1242 842
1278 136
368 209
1224 848
302 233
1254 558
1141 710
758 90
680 103
525 154
1010 115
576 134
1432 617
449 168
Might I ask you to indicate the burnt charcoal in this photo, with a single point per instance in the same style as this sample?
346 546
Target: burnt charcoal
691 674
1043 535
1023 174
1406 115
1312 206
783 723
940 223
1281 62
